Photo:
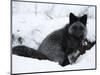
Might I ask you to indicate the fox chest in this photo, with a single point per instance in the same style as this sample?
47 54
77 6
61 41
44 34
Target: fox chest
70 45
73 44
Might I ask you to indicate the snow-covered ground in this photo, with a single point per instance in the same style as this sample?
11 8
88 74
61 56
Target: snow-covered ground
34 21
26 65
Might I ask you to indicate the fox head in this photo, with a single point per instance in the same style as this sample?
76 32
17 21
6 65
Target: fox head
77 25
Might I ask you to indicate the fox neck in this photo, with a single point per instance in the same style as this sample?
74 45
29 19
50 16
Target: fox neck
67 34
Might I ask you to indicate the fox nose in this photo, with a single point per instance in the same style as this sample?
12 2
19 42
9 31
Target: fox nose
75 28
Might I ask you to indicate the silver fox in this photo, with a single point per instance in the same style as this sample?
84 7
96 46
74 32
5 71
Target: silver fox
60 45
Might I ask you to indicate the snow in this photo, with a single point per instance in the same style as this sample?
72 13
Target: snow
34 21
24 65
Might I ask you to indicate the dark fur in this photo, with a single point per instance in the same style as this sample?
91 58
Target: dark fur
28 52
61 43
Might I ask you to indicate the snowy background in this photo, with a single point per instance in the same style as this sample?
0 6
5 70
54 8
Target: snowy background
32 22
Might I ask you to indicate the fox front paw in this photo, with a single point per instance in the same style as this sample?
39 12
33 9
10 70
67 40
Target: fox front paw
72 59
65 62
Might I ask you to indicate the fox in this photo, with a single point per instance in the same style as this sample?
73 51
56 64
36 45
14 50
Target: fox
62 46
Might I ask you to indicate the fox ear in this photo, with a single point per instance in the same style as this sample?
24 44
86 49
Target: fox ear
83 19
72 17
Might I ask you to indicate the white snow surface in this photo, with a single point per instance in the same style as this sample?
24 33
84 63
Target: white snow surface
30 21
26 65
